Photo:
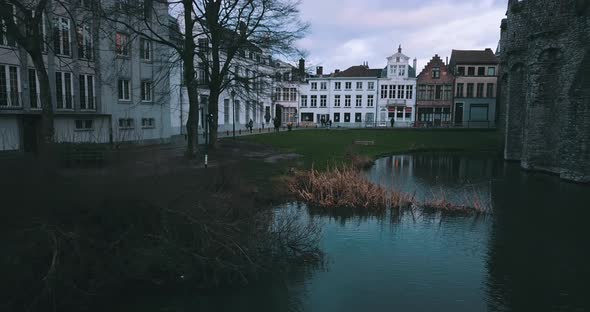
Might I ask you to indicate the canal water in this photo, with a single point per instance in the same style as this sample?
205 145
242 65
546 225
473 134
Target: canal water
531 254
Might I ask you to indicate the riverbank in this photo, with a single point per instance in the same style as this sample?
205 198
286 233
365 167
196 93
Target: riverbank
322 147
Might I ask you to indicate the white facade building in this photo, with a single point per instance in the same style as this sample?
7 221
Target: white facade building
354 97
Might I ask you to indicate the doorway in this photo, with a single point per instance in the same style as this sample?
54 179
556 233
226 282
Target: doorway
458 113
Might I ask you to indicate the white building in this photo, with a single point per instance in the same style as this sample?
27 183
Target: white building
360 96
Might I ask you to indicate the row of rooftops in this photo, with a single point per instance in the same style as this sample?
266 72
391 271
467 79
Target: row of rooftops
458 57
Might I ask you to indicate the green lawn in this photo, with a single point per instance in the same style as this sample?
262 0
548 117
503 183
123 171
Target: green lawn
323 146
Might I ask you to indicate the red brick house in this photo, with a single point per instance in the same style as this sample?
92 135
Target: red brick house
435 94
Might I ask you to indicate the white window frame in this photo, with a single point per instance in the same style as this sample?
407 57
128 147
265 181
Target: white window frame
64 91
124 51
126 124
145 49
358 101
314 85
314 101
62 23
9 102
84 125
323 100
88 93
348 85
304 101
84 32
122 83
337 85
148 123
147 91
370 100
323 85
37 89
337 100
359 85
370 85
347 100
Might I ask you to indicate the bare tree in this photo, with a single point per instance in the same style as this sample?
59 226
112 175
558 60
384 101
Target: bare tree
24 23
272 26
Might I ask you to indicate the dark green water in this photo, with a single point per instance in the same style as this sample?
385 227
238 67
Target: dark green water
532 254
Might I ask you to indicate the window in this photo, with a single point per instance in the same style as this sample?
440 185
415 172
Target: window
126 123
471 71
402 70
393 69
146 6
460 92
430 90
84 124
369 117
409 92
359 101
359 85
226 111
400 92
370 86
346 117
337 85
323 85
124 90
122 44
5 37
436 72
469 90
293 95
491 71
9 86
285 94
383 91
323 100
478 112
336 117
408 113
347 100
480 90
148 123
87 100
490 91
202 77
304 101
314 85
422 92
392 91
358 117
481 71
145 48
237 111
61 36
448 92
314 101
461 71
370 101
438 92
64 90
336 100
33 89
348 85
400 112
85 50
146 91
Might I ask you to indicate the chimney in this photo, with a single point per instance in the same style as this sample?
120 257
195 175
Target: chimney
399 50
319 70
447 61
337 71
415 63
488 49
301 69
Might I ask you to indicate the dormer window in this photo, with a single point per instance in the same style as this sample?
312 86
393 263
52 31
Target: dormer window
393 69
402 70
397 59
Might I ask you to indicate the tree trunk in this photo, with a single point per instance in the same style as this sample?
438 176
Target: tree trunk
188 59
47 131
214 109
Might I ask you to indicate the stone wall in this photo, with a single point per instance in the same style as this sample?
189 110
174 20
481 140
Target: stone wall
545 59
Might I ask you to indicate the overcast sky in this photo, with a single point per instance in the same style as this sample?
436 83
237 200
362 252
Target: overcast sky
348 32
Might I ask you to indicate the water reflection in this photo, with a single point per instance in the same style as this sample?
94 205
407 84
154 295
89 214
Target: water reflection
530 255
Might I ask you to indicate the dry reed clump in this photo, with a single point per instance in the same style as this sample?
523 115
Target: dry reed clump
343 187
347 187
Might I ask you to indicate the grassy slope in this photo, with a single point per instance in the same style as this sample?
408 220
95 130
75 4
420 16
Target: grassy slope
323 146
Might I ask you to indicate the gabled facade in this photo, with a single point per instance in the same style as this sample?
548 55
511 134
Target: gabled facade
397 91
435 94
476 81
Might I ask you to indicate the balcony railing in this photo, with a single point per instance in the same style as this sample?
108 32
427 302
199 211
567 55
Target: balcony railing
10 100
88 103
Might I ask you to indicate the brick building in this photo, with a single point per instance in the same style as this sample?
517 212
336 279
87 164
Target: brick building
435 94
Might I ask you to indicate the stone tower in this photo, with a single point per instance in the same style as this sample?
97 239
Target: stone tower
545 56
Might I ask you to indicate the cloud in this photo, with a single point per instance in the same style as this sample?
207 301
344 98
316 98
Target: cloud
346 33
